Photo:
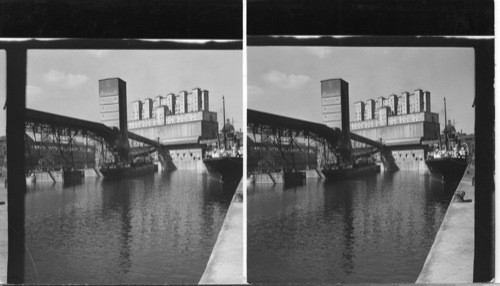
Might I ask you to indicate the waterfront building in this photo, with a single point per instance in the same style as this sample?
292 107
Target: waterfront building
359 111
147 108
402 122
181 102
113 104
383 115
194 100
369 109
427 101
136 110
417 103
392 103
335 105
204 97
169 101
179 121
162 112
157 101
379 102
404 103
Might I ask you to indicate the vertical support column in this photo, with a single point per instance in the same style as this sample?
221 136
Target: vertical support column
307 152
484 244
16 100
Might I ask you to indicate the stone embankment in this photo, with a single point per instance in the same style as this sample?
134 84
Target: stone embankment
451 258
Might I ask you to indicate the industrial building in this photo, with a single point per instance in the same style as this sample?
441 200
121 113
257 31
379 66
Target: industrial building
419 101
177 120
335 105
173 119
401 122
113 104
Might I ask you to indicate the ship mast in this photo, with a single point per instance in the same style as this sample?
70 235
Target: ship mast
445 131
224 122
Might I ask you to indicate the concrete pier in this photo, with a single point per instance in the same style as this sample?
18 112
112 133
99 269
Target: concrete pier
314 173
49 176
225 265
92 172
267 178
451 258
278 177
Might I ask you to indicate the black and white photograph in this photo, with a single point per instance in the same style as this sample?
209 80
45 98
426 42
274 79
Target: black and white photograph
3 177
258 142
133 159
361 164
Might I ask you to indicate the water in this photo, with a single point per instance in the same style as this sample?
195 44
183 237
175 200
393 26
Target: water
377 229
152 229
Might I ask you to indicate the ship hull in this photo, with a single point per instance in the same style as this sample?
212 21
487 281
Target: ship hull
450 169
348 173
119 173
230 169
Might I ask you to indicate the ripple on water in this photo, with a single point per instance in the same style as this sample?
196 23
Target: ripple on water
377 229
148 230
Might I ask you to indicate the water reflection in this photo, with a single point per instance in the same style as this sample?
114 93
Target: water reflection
377 229
147 230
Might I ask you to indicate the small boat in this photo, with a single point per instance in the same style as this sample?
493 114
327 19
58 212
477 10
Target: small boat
352 171
127 170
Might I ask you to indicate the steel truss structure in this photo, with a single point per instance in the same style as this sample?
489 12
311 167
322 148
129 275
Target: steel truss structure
46 133
278 135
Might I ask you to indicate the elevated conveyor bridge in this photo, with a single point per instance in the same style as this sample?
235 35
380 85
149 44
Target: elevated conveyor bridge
281 126
64 129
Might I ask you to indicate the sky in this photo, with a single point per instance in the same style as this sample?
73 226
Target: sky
286 80
65 82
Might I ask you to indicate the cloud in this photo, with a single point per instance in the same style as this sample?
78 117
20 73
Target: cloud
285 80
66 81
320 52
33 90
98 53
254 91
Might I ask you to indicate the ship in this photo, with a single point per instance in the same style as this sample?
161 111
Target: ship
230 168
450 160
449 168
338 173
226 161
119 171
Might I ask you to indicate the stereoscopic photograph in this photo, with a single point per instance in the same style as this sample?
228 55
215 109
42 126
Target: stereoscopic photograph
3 175
133 159
361 164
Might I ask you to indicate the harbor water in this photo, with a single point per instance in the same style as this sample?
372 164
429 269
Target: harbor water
376 229
153 229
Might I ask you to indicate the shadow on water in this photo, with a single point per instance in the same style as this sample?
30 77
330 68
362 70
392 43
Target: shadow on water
376 229
116 198
218 191
151 229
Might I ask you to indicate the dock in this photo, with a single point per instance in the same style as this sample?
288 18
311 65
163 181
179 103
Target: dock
451 258
225 265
